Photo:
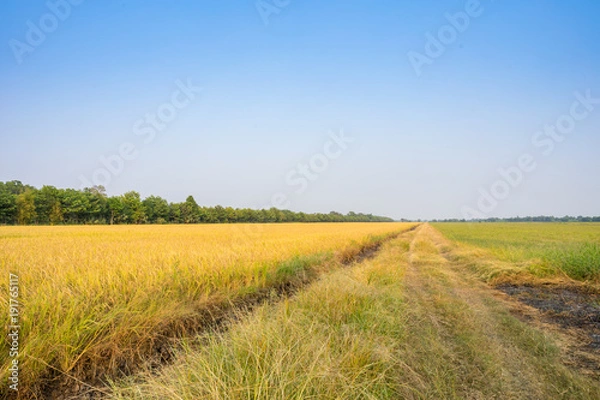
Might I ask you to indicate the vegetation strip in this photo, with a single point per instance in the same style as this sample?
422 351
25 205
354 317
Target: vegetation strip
544 251
24 205
407 323
156 350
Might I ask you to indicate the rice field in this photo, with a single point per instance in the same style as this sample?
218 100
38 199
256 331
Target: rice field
135 311
409 323
543 249
95 296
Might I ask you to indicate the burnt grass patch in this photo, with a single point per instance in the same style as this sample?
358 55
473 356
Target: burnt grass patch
574 309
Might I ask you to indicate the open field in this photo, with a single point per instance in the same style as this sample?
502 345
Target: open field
542 249
99 299
450 311
410 323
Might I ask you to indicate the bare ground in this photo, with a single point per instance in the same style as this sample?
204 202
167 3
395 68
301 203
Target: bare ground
573 311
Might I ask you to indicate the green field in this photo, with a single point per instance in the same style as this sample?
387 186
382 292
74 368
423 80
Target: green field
546 249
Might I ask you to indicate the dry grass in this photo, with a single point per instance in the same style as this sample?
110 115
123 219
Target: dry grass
96 297
408 324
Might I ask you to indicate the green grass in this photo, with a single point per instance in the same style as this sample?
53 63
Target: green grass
547 249
579 261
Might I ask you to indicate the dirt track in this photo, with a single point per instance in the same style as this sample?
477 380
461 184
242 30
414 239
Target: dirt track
447 293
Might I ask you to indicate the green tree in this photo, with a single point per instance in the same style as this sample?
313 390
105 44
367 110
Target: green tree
8 205
175 213
115 210
157 209
190 211
133 209
230 215
45 201
56 214
75 206
26 207
16 187
220 214
97 211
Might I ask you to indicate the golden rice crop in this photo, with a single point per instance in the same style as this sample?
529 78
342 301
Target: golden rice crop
95 292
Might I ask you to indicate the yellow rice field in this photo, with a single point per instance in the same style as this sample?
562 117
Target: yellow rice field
93 296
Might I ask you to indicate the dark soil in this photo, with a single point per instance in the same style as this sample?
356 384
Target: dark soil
574 309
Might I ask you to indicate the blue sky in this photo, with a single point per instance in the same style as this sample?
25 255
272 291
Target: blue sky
423 146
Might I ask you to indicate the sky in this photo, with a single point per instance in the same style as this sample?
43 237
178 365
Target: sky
430 109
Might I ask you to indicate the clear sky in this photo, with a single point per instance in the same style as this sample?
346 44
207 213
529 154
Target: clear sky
430 99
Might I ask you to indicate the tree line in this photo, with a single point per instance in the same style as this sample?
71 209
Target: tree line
540 218
24 205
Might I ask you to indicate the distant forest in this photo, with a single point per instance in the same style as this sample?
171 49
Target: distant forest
541 218
25 205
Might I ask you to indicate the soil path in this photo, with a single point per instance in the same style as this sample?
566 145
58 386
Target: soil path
469 325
